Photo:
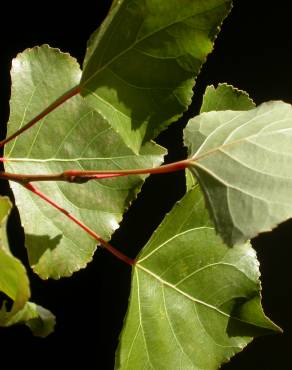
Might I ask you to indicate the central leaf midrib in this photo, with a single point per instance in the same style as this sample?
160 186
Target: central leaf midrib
78 159
195 158
157 277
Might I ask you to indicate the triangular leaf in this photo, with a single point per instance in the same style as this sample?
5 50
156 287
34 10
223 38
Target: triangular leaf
14 284
141 63
194 301
242 161
225 97
72 137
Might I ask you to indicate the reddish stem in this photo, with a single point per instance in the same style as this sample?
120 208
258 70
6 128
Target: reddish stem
62 99
84 176
171 167
104 243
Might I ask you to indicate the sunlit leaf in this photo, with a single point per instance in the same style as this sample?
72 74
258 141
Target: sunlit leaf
141 64
72 137
225 97
194 301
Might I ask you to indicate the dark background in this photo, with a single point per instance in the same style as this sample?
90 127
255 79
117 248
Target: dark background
253 52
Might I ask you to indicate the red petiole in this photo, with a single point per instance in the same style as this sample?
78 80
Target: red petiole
98 238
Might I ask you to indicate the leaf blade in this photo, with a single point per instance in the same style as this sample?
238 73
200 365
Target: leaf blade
14 284
73 137
144 81
241 159
194 293
225 97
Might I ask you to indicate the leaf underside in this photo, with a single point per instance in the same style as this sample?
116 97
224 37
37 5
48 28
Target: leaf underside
142 62
194 301
14 284
73 137
222 97
242 160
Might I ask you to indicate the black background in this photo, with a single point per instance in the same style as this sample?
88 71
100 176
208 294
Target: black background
253 52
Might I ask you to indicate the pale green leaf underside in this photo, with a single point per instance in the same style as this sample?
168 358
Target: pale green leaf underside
72 137
194 301
222 97
243 163
14 283
141 63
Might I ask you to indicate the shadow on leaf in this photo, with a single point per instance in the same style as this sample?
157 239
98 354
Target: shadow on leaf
240 323
39 244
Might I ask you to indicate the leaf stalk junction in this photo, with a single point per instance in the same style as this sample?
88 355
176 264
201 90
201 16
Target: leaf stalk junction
77 177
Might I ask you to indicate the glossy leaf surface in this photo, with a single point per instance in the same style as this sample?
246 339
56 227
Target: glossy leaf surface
194 302
141 64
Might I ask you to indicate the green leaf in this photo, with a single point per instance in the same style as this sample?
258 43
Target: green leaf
242 161
225 97
39 320
194 301
14 284
141 64
73 137
190 179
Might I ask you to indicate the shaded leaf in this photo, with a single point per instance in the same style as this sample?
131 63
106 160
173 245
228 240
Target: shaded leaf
72 137
14 284
141 63
242 161
225 97
194 301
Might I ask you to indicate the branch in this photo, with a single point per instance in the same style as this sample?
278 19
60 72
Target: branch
104 243
62 99
80 177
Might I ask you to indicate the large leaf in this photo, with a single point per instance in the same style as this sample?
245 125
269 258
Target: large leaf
194 302
72 137
14 284
141 63
243 163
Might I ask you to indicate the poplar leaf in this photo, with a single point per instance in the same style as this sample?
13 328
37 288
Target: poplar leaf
72 137
225 97
14 284
194 301
242 160
143 81
222 97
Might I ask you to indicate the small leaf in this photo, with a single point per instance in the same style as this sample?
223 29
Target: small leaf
225 97
73 137
141 63
242 161
14 284
194 302
40 320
